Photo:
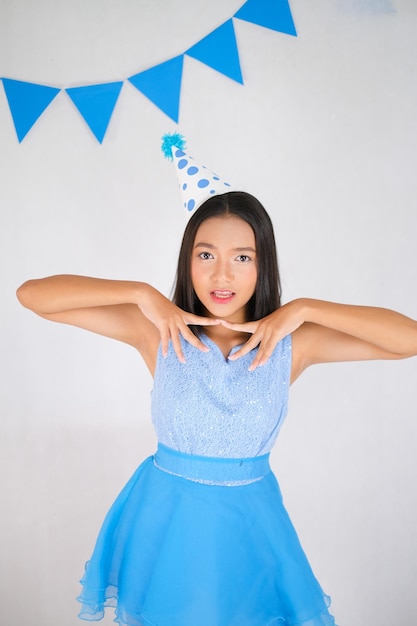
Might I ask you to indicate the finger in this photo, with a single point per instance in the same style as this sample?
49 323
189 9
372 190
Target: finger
246 327
249 345
264 353
176 344
208 321
258 361
198 320
164 334
193 339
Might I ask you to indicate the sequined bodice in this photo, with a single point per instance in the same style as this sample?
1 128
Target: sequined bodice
211 406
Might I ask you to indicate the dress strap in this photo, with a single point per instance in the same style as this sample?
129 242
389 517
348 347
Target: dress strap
212 470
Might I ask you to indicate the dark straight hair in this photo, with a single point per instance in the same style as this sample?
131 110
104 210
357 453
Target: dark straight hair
267 295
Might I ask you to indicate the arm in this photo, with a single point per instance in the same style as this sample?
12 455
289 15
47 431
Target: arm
337 332
129 311
105 307
325 332
55 294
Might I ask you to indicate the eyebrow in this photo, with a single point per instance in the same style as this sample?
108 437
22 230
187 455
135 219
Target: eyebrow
210 246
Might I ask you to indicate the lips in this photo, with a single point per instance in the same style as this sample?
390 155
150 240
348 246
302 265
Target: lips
222 296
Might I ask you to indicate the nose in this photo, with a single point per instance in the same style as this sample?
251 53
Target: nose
222 271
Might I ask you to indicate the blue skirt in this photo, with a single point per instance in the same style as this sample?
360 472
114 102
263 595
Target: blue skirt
176 551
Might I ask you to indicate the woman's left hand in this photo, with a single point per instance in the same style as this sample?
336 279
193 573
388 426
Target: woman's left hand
267 332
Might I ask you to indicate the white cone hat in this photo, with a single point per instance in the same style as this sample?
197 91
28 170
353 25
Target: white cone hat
196 182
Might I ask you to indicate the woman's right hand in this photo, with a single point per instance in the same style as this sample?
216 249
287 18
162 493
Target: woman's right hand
171 321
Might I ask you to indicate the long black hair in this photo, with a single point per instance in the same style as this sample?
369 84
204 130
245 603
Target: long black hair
267 295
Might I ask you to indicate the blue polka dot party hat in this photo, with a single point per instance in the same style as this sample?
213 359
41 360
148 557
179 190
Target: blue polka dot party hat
196 182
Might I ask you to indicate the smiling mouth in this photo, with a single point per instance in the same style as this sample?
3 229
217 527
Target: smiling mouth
222 295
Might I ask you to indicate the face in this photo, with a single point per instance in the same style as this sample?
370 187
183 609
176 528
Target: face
224 267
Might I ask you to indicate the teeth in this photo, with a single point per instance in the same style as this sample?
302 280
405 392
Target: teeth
223 294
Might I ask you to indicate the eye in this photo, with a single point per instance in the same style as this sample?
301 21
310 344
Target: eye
243 258
205 256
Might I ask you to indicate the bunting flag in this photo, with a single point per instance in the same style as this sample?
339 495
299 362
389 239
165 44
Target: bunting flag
162 85
96 104
219 51
274 15
27 102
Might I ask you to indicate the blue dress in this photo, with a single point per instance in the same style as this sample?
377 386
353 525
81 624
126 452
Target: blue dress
199 536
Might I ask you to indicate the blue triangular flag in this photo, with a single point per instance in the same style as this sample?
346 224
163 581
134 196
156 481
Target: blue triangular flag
219 51
162 85
96 104
273 14
27 102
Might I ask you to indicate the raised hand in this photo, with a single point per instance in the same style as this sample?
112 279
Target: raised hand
171 321
267 332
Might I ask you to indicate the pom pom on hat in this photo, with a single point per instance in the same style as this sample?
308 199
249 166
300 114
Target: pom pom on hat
169 141
196 182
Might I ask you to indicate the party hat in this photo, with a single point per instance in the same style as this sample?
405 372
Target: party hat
196 182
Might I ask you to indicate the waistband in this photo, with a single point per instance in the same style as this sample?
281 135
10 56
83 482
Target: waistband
211 470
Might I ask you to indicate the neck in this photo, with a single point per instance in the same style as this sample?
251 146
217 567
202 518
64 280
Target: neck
225 338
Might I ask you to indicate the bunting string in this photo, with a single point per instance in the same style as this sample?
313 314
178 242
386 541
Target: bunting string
161 84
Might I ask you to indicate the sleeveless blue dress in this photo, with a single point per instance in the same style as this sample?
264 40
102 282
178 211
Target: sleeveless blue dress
199 536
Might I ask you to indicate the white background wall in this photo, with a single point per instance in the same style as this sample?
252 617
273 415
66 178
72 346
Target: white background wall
324 132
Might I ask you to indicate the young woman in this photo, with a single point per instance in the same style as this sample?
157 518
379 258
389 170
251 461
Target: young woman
199 535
